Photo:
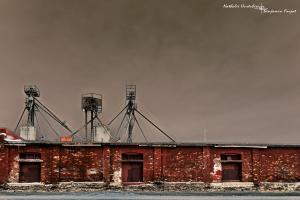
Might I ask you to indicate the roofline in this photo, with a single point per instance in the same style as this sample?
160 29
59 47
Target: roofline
11 133
151 144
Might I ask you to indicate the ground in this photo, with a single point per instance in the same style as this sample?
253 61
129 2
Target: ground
152 196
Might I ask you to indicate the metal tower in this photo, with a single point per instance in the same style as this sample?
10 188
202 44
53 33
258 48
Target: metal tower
91 104
32 92
131 107
130 115
34 106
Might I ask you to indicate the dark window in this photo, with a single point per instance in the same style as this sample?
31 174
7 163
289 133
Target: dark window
30 156
232 157
132 157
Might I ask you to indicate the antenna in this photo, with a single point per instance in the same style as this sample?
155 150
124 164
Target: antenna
204 135
131 109
91 103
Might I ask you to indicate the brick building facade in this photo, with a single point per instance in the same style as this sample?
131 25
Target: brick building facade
121 163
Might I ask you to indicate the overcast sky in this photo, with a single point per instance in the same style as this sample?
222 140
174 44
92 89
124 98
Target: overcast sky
197 65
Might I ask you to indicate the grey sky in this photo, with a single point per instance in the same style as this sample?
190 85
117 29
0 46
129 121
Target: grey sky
196 65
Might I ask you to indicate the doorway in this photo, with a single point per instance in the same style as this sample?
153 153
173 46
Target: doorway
231 171
30 172
231 167
132 172
132 168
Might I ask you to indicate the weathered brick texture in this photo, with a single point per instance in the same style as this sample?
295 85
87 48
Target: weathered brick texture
278 164
182 164
81 164
157 166
3 164
171 164
247 170
148 166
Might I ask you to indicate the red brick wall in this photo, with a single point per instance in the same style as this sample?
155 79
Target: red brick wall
174 164
81 164
157 166
277 164
116 157
59 164
3 164
49 172
106 163
183 164
246 155
13 162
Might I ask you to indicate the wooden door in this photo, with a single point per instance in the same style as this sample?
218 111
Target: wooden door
231 172
132 172
30 172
